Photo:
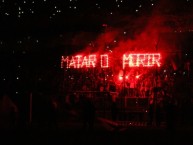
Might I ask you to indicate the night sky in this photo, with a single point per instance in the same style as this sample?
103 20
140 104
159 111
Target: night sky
35 33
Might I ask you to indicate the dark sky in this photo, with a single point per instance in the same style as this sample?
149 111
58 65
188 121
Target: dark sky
35 33
46 21
41 17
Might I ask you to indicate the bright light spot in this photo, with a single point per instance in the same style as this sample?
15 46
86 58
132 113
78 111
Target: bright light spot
16 92
140 6
17 78
164 70
120 78
4 79
127 77
75 7
152 4
118 6
111 13
37 41
137 76
31 11
136 10
125 33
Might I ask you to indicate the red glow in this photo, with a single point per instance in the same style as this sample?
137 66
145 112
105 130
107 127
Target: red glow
141 59
104 61
131 60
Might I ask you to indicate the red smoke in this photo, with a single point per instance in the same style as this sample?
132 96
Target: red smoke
144 34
